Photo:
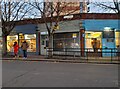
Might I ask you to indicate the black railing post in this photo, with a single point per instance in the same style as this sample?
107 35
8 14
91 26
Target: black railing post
65 52
87 54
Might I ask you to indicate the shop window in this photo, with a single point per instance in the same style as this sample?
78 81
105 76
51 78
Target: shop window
32 45
93 39
31 39
43 42
10 42
108 34
47 43
66 40
117 38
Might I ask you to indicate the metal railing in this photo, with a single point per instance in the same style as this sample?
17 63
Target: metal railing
109 54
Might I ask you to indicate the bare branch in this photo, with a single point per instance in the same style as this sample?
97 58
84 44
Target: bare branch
12 11
109 6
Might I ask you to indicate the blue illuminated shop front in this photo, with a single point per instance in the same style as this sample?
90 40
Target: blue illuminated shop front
102 34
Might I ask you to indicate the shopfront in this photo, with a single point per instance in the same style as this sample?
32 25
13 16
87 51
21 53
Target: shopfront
91 37
102 44
30 38
19 34
66 40
68 36
93 43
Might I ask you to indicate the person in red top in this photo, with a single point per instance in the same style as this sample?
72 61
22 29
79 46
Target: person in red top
16 47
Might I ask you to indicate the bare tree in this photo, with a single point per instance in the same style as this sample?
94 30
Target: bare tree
52 11
113 6
11 11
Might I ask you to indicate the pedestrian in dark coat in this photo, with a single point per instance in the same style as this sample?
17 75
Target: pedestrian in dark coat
24 47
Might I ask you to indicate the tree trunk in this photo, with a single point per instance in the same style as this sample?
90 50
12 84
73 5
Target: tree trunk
4 51
50 52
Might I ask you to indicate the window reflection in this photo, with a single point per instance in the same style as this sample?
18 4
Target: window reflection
66 40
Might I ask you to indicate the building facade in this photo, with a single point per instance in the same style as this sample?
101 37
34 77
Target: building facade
66 8
101 30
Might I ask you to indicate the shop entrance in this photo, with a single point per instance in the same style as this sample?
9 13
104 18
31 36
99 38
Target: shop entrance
93 43
44 44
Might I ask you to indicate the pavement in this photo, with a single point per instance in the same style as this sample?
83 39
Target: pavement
65 59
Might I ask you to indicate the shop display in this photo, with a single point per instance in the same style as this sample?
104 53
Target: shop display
30 38
93 39
117 38
10 42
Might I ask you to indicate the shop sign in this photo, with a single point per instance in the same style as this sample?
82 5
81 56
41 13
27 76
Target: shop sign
74 35
68 17
30 36
13 38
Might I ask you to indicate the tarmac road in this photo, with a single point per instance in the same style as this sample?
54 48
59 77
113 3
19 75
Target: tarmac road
47 74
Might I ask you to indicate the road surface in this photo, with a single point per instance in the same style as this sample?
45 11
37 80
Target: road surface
49 74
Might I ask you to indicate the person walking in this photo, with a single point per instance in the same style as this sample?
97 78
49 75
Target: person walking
16 47
24 47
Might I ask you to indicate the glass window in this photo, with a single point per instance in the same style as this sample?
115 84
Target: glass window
93 39
10 42
31 39
66 40
44 40
117 36
109 34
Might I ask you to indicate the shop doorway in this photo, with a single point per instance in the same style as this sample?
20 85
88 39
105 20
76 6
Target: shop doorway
44 44
93 43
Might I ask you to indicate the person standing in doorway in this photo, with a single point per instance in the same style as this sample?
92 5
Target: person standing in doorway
24 47
16 47
94 44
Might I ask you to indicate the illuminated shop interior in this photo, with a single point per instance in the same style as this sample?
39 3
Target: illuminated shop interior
90 35
10 42
30 38
89 39
117 36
